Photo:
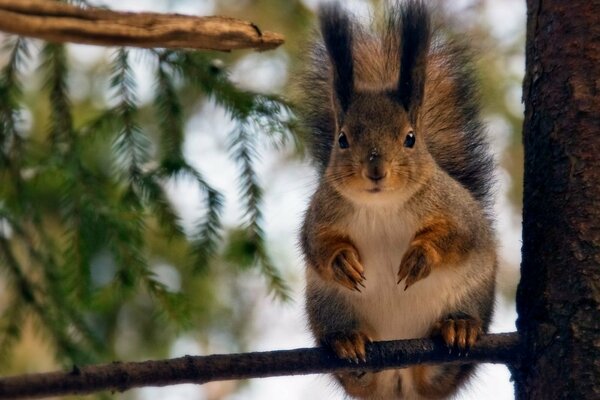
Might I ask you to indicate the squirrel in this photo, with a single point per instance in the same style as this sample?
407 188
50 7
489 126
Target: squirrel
398 238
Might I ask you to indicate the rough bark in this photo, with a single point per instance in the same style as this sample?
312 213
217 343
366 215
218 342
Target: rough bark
558 299
60 22
498 348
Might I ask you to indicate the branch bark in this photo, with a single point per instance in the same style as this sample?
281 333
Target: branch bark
60 22
121 376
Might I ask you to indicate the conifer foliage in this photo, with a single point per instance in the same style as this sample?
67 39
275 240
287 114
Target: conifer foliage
92 185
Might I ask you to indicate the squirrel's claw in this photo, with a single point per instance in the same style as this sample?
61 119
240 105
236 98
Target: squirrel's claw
348 271
459 331
414 266
349 346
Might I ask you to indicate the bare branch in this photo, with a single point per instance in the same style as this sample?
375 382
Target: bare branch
121 376
60 22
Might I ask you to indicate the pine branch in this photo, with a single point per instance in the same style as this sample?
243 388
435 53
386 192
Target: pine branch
11 142
30 293
65 309
10 90
11 323
144 190
274 117
170 114
77 252
174 305
207 232
121 376
99 210
56 22
68 281
243 151
200 72
130 145
56 69
24 287
155 196
253 113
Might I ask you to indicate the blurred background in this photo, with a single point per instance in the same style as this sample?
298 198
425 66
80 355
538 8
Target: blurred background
150 200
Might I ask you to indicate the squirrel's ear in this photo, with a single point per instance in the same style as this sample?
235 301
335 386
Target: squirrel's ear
337 35
413 22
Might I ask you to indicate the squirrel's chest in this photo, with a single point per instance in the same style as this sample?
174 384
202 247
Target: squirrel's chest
382 237
386 309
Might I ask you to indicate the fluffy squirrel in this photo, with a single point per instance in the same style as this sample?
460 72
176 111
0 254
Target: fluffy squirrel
398 237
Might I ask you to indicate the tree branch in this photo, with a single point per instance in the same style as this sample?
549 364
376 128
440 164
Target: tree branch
121 376
60 22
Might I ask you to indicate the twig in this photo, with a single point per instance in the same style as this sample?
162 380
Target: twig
121 376
60 22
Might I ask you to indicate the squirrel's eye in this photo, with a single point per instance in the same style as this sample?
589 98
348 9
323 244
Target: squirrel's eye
409 141
343 141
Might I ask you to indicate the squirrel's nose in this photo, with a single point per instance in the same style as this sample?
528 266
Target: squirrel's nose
376 172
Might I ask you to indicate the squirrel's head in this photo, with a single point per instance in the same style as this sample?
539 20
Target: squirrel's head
378 149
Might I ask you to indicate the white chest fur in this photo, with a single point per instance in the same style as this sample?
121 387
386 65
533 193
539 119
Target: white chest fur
388 312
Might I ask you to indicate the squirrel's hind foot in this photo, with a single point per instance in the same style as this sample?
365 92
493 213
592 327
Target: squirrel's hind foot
458 330
350 346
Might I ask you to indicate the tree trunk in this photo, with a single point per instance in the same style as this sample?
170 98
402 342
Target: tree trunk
558 299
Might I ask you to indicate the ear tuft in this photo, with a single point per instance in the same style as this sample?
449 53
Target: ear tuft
336 28
414 22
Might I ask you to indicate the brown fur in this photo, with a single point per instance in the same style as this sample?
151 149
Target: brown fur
340 259
436 188
450 112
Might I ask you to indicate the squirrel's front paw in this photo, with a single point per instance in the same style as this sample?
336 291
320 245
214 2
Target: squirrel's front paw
349 346
414 266
346 269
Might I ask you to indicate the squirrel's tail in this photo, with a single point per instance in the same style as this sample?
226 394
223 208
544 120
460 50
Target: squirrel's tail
452 124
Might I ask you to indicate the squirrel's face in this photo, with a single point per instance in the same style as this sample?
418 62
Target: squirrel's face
377 153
